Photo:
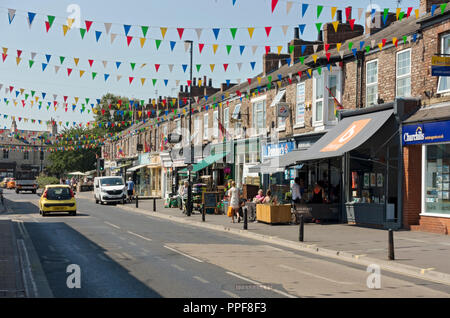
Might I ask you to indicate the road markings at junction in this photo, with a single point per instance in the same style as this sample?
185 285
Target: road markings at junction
113 225
230 294
261 285
204 281
140 236
313 275
178 267
188 256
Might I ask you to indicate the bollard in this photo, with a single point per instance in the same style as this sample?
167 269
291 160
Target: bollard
391 245
203 214
301 230
154 204
245 219
137 202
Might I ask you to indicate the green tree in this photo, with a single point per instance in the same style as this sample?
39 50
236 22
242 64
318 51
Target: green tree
81 158
113 109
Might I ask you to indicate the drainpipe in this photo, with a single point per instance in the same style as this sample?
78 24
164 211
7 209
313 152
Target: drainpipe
359 79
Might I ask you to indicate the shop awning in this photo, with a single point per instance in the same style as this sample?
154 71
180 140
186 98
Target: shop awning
205 162
121 166
349 134
267 167
136 168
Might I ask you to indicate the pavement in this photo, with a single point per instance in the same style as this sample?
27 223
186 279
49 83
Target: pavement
419 254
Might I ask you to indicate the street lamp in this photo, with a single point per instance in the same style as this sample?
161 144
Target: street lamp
191 161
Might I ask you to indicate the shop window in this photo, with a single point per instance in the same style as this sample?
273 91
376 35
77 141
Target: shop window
5 154
371 83
437 179
259 116
444 81
300 105
26 155
403 73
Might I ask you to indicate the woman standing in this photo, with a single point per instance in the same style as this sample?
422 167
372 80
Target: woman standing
235 196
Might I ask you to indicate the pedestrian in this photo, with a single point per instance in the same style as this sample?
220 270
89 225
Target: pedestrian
259 198
130 189
183 193
235 199
269 199
318 193
296 191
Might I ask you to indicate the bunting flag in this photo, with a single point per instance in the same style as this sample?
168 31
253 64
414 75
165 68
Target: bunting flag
31 16
11 15
216 32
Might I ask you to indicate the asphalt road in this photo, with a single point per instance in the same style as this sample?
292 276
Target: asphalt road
122 253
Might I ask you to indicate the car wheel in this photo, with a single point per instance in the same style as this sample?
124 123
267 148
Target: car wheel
40 212
74 213
44 213
17 191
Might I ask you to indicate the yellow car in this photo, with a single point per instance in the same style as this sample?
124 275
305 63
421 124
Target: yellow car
4 182
57 198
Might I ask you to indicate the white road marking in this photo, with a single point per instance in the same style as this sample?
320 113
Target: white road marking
188 256
26 268
261 285
140 236
128 256
313 275
113 225
178 267
204 281
132 243
233 295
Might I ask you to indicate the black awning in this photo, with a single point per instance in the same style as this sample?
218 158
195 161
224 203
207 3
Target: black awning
349 134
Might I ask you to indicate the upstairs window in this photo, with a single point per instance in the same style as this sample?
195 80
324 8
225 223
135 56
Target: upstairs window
444 81
326 88
259 116
403 73
371 82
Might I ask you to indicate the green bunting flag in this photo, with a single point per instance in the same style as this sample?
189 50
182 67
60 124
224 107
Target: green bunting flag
31 63
133 65
228 49
144 30
198 67
94 75
318 26
51 19
82 32
302 59
319 11
158 43
233 32
62 58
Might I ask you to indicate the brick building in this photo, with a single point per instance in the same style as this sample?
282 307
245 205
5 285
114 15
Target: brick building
384 67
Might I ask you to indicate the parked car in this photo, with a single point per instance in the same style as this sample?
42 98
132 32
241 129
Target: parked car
110 189
4 182
11 184
57 198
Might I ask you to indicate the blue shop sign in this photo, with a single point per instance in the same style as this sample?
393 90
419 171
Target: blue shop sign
277 150
426 133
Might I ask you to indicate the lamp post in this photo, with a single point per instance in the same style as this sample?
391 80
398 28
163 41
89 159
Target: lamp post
191 153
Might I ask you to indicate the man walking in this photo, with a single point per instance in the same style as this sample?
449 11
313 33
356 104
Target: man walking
130 189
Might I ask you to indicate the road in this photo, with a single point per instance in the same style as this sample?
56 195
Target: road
122 253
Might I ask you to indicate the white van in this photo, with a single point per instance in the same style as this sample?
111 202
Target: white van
109 189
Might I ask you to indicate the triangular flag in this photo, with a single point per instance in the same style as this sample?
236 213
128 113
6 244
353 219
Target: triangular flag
97 35
333 12
65 29
233 32
76 60
113 37
142 41
319 10
31 16
11 15
250 32
215 46
172 45
180 32
304 8
108 27
199 32
335 25
212 67
216 32
228 49
82 33
289 6
302 28
158 43
129 39
127 28
284 28
274 4
268 29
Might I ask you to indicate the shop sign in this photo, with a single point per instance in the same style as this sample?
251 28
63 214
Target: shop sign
277 150
283 110
144 159
426 133
351 132
440 66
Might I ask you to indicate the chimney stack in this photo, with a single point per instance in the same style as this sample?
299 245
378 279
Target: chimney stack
296 33
204 81
210 82
339 16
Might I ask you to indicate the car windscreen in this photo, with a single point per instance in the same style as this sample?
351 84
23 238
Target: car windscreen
111 182
58 193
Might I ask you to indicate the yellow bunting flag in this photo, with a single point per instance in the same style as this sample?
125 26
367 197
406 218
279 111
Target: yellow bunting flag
338 46
314 58
259 80
250 32
397 13
335 25
21 91
18 59
142 42
380 46
417 13
333 12
5 50
215 46
199 83
163 32
76 60
212 67
143 81
279 84
76 100
70 22
65 29
309 72
279 49
394 40
81 73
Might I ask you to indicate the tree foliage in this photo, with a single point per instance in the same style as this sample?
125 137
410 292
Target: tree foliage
112 103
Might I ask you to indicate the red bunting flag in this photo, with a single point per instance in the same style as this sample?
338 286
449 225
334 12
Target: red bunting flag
4 56
91 62
19 53
352 23
69 71
267 49
157 67
47 25
383 41
328 56
225 66
129 39
348 13
180 32
274 4
249 80
88 25
131 79
327 46
65 98
189 83
268 29
200 47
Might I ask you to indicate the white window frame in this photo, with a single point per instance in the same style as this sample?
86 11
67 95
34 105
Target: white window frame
424 187
197 125
440 77
205 126
226 118
298 103
255 102
238 125
400 77
373 84
326 96
216 124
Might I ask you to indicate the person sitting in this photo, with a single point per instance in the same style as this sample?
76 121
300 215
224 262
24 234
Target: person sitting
318 194
269 199
259 198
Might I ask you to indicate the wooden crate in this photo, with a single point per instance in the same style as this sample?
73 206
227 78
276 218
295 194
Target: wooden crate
273 214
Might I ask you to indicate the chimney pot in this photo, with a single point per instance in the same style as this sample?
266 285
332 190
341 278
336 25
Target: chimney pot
339 16
296 33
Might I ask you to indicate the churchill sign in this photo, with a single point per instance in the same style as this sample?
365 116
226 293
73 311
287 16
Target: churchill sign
426 133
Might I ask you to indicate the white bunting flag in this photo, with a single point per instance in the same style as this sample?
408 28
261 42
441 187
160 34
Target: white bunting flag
285 28
199 33
170 68
289 6
113 37
254 48
57 69
105 63
108 27
239 65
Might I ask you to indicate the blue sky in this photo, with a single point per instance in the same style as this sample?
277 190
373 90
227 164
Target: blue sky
206 14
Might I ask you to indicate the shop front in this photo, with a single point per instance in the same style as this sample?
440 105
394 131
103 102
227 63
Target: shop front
426 140
146 174
357 166
247 155
166 174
